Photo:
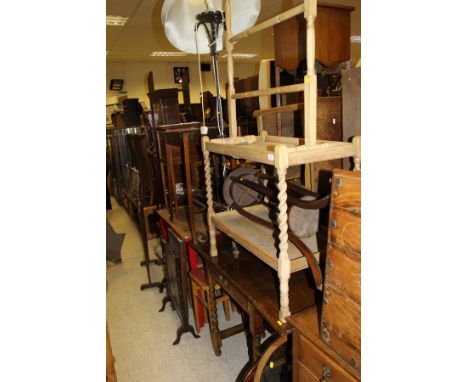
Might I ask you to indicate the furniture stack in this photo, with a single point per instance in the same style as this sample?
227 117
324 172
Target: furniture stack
327 341
268 275
279 152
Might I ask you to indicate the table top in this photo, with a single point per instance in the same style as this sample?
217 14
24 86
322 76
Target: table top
258 282
180 224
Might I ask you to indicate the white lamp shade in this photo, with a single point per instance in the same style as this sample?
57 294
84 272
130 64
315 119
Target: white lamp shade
179 18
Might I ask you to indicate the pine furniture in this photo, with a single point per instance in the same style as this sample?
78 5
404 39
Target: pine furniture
280 152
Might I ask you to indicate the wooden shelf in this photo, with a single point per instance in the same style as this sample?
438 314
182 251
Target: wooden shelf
258 240
262 149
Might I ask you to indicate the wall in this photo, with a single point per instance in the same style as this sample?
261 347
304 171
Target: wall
135 73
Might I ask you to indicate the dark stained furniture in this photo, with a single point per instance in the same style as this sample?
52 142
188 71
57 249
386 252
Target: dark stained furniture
181 163
165 106
175 264
143 201
253 286
175 236
332 31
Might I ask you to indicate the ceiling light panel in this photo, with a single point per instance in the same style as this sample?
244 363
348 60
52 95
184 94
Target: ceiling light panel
167 54
116 21
244 55
241 55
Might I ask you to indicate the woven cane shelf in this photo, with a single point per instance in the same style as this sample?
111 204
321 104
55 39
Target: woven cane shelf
260 240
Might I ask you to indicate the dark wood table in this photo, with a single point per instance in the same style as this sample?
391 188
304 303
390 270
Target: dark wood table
253 285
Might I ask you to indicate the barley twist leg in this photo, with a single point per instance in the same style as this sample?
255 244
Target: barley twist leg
209 201
284 264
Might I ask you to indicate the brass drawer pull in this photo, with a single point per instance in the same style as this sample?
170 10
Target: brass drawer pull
326 373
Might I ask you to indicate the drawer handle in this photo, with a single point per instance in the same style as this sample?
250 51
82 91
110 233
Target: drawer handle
326 373
224 283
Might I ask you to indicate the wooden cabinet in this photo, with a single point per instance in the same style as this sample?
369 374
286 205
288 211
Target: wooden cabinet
165 106
341 314
313 360
332 44
327 346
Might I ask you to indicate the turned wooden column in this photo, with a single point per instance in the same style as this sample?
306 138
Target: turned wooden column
230 70
209 197
284 263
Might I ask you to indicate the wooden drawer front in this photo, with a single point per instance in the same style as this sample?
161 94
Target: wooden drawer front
230 289
317 364
304 375
347 191
343 273
341 327
345 229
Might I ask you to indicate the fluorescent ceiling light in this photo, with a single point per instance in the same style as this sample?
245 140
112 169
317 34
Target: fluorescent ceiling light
242 55
356 39
118 21
167 54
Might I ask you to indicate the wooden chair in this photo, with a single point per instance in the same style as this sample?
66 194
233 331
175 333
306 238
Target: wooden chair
200 293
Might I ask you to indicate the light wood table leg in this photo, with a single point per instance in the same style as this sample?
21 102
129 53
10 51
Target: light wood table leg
357 156
284 263
209 197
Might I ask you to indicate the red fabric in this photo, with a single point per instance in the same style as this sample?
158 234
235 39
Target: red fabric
199 275
194 260
163 228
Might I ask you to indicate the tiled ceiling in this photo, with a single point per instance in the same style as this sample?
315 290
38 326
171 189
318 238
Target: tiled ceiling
144 33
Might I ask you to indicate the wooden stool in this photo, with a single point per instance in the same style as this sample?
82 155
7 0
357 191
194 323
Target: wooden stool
200 292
